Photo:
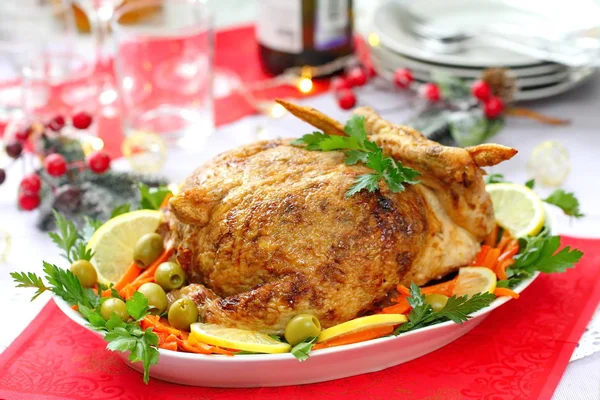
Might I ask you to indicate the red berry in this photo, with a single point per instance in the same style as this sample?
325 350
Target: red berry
2 176
82 120
431 91
31 183
29 201
481 90
346 99
14 149
338 83
371 71
23 135
99 162
57 123
403 78
55 165
357 76
493 107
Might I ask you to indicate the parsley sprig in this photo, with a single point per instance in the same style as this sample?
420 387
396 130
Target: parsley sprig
70 241
540 253
457 309
357 149
302 350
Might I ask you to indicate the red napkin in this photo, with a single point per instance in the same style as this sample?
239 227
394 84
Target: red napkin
519 352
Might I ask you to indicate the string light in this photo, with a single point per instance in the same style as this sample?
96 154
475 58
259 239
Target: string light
373 39
305 85
277 111
173 187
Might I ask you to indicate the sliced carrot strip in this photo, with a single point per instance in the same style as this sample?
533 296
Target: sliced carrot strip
491 258
400 307
492 239
403 290
445 288
132 272
502 267
504 240
356 337
511 249
168 346
480 257
506 292
149 272
165 201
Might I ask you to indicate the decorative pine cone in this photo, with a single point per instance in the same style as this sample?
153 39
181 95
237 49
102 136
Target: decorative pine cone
503 83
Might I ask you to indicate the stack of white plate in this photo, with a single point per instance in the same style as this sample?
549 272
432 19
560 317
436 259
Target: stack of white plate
396 46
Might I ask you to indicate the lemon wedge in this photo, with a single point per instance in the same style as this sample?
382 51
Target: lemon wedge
114 241
517 208
473 280
362 323
238 339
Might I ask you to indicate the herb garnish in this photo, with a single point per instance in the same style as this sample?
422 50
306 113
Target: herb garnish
302 349
457 309
357 149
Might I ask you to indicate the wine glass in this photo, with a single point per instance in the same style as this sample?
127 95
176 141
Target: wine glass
99 13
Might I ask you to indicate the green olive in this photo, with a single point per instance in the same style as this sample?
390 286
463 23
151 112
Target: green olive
147 249
169 275
116 306
302 327
182 314
157 298
436 301
85 272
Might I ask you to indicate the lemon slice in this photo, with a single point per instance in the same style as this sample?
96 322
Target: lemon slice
517 208
362 323
238 339
114 241
473 280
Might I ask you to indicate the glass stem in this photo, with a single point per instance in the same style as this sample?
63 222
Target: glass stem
99 20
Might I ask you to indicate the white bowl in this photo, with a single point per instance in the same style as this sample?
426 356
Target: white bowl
257 370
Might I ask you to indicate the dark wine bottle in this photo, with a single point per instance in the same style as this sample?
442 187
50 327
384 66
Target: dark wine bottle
294 33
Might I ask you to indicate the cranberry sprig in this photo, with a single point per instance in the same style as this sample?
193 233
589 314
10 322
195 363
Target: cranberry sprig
55 164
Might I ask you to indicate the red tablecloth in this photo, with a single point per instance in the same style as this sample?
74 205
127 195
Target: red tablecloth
519 352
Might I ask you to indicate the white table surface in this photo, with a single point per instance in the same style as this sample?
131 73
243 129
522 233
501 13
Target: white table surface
582 139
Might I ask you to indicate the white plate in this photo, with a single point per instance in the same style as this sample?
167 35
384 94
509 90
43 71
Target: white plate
423 71
561 17
258 370
575 78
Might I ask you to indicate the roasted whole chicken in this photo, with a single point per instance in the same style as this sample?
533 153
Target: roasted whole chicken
265 231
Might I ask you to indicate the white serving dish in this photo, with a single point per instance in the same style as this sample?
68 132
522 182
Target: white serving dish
323 365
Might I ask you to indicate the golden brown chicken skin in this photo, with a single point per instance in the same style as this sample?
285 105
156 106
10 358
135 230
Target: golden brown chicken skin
265 232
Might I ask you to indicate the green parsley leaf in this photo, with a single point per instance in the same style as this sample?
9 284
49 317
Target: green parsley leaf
122 209
365 181
457 309
66 237
302 349
356 156
355 128
65 284
494 178
81 252
530 184
540 253
29 280
137 306
565 201
357 149
95 319
152 198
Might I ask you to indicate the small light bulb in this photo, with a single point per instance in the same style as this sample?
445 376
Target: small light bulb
373 39
305 85
277 111
96 143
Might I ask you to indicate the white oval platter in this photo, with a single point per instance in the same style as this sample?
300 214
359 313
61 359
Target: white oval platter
258 370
